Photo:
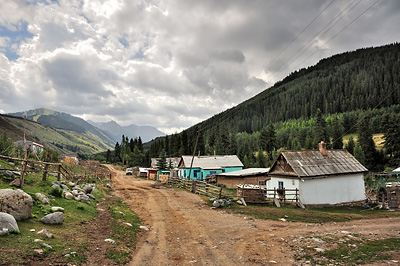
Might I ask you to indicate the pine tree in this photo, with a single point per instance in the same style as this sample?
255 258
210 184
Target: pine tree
162 161
391 130
117 153
367 143
350 145
359 154
337 134
320 132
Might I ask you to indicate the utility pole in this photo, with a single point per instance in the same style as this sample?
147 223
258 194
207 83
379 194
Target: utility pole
194 152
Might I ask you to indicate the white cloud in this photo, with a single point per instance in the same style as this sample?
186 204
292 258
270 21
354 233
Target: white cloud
167 64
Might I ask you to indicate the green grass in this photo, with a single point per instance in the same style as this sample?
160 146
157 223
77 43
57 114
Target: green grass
18 248
347 254
123 234
320 215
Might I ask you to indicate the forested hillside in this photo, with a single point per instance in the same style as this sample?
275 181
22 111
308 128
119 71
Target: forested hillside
351 93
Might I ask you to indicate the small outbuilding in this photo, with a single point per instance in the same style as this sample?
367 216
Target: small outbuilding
253 176
323 177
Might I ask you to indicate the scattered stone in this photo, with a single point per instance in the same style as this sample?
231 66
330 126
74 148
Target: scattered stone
128 224
318 240
109 240
319 249
45 233
8 222
283 220
38 250
37 240
32 230
47 245
56 186
239 202
55 183
43 198
68 195
16 202
64 187
72 184
91 196
144 228
273 262
53 218
57 209
345 232
88 189
7 173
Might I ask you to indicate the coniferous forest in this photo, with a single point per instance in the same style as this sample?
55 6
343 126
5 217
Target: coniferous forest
355 93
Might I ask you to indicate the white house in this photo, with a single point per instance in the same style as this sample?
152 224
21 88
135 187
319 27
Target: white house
324 177
35 147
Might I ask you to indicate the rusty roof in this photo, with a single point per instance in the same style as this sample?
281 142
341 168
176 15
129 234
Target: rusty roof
310 163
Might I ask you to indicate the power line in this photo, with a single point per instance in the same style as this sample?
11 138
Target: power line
340 31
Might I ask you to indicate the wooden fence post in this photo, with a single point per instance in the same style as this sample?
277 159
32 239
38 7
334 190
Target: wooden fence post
45 167
59 172
28 149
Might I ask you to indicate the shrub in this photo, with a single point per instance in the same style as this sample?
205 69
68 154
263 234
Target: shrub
56 192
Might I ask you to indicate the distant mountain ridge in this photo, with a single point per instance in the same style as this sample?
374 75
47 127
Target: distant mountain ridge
112 128
72 134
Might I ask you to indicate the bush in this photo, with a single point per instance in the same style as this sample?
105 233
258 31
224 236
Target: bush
56 192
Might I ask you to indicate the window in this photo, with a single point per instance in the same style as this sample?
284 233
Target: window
280 185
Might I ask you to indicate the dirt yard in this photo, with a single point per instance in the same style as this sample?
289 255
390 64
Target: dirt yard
184 230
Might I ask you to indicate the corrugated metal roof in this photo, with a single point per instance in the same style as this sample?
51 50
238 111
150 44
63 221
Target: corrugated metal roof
246 172
211 162
174 161
313 163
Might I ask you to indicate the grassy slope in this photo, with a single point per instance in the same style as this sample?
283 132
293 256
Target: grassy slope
87 142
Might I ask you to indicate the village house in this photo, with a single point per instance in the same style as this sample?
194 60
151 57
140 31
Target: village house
35 147
205 166
323 177
253 176
70 158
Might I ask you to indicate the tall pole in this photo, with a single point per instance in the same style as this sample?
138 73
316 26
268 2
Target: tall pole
24 133
194 152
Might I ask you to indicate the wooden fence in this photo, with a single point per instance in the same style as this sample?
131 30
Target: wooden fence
58 169
198 187
261 195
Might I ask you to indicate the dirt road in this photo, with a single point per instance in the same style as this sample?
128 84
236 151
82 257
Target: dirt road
185 231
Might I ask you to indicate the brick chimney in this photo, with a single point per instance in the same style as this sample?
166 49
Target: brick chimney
322 148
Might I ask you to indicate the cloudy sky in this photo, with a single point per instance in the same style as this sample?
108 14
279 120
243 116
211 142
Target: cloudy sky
171 63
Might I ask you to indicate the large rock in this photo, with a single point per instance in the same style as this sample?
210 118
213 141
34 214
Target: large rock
7 222
53 218
17 203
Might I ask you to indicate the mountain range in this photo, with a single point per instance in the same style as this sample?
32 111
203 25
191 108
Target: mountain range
113 129
67 133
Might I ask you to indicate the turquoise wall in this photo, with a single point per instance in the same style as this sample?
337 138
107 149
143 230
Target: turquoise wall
198 173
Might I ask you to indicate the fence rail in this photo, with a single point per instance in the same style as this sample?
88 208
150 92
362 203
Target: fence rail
198 187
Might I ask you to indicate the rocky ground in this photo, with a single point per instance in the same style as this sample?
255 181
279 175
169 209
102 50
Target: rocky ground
184 230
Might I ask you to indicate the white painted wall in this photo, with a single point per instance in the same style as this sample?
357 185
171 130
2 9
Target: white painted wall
333 189
330 190
288 183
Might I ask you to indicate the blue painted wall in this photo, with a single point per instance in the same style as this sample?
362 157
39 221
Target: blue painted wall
198 173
